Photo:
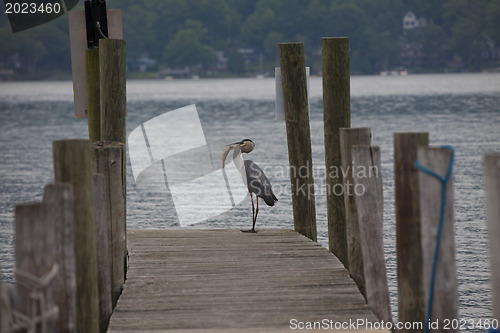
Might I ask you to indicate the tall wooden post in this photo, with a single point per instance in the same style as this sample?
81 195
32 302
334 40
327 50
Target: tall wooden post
93 94
411 307
445 298
336 114
60 207
109 158
350 137
112 77
73 164
370 210
293 73
492 182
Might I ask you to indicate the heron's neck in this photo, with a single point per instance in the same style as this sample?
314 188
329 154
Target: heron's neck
238 161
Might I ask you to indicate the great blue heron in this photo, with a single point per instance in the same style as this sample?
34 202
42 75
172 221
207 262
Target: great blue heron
252 175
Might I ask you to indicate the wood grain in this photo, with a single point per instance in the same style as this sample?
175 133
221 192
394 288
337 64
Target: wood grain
370 210
109 158
73 164
350 137
103 245
445 299
298 136
35 258
411 307
336 114
492 181
112 78
225 280
60 206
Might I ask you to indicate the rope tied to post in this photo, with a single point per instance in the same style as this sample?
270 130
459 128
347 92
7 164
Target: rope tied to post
444 182
37 297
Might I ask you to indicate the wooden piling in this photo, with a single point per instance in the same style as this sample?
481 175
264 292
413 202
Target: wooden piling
112 77
336 114
103 245
35 267
73 164
59 201
492 190
350 137
411 306
445 298
293 73
109 157
370 212
93 94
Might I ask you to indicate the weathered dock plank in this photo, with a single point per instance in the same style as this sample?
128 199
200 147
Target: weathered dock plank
225 281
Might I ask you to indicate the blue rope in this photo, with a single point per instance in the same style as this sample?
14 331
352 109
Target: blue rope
444 182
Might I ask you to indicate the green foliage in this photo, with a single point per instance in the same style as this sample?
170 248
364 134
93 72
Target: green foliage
433 38
180 33
236 63
186 49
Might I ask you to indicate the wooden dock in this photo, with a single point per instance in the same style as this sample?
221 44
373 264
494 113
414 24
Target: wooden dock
229 281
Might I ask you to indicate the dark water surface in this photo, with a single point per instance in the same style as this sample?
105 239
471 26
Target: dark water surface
460 110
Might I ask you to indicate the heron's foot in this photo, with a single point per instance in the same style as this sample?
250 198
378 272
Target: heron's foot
253 231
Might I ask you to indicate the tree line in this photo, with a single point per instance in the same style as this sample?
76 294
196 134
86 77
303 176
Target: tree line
241 36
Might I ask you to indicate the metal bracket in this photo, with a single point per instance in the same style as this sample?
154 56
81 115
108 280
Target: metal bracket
96 22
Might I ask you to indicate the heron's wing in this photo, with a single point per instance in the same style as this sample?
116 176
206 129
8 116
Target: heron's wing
258 183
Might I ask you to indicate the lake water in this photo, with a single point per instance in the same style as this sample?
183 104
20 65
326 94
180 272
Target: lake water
462 110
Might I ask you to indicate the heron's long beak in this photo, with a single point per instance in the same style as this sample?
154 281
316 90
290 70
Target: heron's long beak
235 143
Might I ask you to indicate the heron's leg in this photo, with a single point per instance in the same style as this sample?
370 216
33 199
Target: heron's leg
254 216
256 212
253 208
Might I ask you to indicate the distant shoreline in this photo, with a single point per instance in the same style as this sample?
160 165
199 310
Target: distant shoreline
8 76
